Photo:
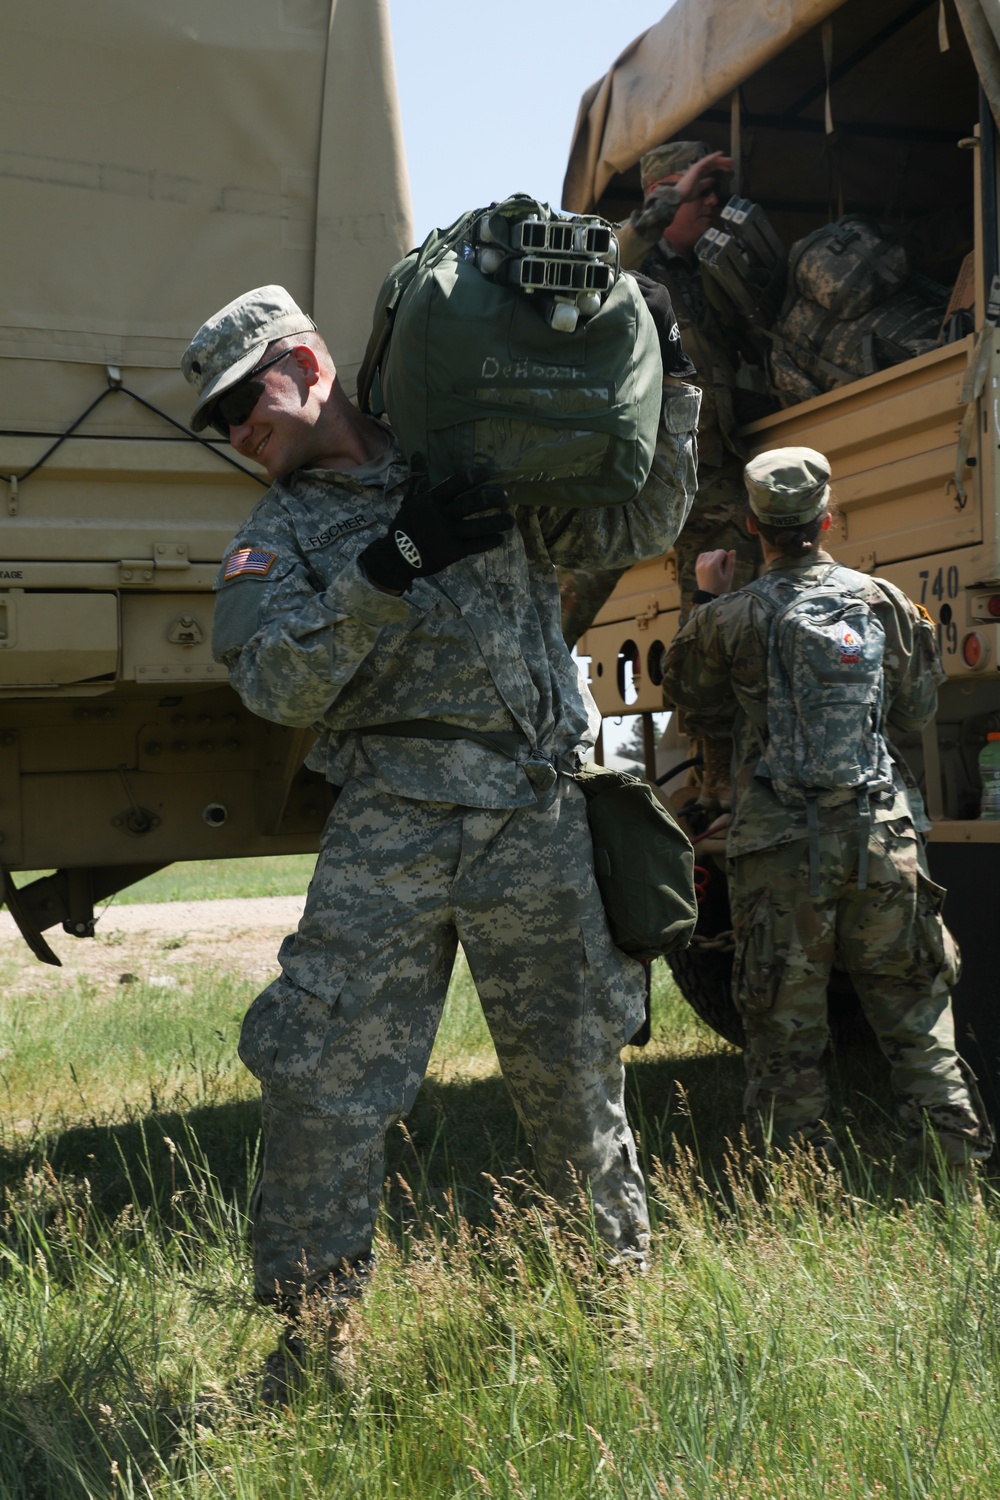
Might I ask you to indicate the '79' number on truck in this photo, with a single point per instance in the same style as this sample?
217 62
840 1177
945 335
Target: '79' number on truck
945 586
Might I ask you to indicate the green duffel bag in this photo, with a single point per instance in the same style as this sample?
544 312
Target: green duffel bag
511 340
644 864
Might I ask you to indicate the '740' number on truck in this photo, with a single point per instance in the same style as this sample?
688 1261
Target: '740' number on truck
944 587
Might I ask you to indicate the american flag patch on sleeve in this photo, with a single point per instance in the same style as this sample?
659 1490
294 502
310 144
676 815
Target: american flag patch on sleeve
248 560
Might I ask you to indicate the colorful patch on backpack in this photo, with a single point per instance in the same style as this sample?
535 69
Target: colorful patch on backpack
850 647
249 560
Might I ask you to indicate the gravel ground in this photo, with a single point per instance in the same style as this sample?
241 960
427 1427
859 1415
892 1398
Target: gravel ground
161 942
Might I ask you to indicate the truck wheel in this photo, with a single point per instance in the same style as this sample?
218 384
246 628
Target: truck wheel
703 971
702 976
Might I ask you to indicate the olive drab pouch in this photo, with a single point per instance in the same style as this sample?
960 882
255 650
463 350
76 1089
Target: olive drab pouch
511 340
823 741
644 864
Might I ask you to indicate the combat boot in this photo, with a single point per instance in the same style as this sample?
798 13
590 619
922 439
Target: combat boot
284 1374
317 1336
314 1344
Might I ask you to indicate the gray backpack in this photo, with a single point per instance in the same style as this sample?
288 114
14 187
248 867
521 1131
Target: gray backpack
823 742
848 266
852 308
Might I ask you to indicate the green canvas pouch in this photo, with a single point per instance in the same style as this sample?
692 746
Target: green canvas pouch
644 864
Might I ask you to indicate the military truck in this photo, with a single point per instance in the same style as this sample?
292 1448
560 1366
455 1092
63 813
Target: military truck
158 160
886 109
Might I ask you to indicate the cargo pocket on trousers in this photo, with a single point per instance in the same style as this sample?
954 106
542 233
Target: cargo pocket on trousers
617 981
756 967
938 948
283 1036
681 407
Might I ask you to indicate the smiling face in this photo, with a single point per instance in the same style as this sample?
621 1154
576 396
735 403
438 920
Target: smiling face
280 432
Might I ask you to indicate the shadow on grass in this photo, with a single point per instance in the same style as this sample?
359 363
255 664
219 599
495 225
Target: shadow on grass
458 1133
54 1439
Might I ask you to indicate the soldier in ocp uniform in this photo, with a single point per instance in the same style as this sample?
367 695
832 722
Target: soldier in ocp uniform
884 922
691 188
659 240
417 630
717 516
680 182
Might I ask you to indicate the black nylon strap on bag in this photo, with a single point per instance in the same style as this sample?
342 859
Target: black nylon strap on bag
643 862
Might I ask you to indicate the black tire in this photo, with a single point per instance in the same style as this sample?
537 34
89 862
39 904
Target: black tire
703 977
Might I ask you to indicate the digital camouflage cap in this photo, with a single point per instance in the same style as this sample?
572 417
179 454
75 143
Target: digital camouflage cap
670 160
229 345
787 486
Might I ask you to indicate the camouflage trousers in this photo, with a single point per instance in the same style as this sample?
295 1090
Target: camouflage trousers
902 961
717 519
340 1042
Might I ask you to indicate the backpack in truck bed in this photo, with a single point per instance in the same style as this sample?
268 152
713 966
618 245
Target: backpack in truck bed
823 742
848 266
832 353
852 307
511 340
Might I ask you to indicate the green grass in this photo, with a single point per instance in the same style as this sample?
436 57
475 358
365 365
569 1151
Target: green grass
800 1335
212 879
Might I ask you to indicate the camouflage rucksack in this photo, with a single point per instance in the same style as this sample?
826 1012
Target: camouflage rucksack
823 742
824 354
852 308
511 340
848 266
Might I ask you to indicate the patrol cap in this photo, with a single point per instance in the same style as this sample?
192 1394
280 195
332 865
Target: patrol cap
226 348
670 161
787 486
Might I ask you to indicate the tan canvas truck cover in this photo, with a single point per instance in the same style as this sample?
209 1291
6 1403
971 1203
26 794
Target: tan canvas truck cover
696 57
155 161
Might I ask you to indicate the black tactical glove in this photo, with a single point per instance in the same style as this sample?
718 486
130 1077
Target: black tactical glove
436 527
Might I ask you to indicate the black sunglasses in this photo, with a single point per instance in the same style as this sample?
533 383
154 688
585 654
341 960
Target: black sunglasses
233 408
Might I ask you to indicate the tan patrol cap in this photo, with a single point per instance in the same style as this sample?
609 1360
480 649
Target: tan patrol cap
670 160
787 486
230 344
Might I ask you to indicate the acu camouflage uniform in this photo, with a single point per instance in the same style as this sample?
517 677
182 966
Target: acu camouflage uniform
432 843
889 936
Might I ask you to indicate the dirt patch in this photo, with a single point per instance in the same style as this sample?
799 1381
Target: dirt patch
161 943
